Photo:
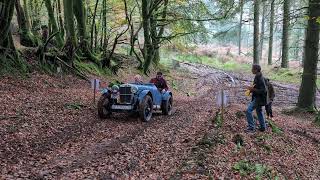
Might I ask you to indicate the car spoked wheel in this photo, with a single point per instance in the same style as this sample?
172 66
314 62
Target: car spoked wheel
167 106
146 109
104 110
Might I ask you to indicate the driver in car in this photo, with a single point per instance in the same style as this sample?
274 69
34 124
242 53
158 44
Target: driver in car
160 82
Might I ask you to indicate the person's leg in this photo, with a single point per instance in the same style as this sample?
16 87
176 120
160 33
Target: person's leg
267 109
270 110
250 120
261 118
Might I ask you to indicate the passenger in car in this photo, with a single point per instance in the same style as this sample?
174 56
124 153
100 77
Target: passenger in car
138 79
160 82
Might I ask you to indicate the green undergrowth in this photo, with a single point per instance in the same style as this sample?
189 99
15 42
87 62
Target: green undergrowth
260 171
91 68
13 65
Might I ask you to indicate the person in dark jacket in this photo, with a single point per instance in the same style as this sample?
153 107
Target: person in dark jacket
271 96
160 82
259 99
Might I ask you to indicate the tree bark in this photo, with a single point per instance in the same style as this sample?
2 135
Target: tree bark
53 22
285 34
262 29
240 26
256 32
271 26
308 86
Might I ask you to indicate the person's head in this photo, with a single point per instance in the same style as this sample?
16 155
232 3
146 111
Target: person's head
256 68
159 75
137 78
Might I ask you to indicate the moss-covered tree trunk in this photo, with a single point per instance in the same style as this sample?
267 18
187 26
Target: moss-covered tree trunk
285 34
271 27
308 86
6 13
71 40
53 22
148 47
26 37
80 14
61 26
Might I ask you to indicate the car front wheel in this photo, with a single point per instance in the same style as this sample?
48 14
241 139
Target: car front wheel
104 110
167 106
146 109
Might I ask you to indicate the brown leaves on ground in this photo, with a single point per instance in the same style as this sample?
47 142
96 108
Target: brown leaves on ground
50 129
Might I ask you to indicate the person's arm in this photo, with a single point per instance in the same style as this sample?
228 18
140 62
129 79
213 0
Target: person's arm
260 87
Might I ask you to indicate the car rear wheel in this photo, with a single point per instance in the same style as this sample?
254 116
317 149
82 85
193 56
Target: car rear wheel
167 106
146 109
104 110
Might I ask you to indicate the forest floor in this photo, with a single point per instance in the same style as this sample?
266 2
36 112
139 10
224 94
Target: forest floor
50 130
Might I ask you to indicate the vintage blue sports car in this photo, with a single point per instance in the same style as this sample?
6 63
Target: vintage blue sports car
141 99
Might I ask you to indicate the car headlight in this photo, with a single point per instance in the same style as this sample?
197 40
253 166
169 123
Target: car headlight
134 89
115 88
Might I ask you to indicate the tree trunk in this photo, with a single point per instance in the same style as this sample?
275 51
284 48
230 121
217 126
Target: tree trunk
61 26
26 37
240 25
80 14
26 13
148 48
262 29
256 32
53 23
71 40
7 8
271 26
93 23
285 34
309 77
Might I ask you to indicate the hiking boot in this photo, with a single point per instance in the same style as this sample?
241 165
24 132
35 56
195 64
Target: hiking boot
262 129
249 131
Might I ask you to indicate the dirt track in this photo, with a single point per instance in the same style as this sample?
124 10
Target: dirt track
42 137
45 139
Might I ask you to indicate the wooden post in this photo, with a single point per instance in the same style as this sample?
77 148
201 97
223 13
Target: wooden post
222 104
94 90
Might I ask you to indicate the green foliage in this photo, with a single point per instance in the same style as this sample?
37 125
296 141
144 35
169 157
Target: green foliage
92 68
275 128
261 171
13 65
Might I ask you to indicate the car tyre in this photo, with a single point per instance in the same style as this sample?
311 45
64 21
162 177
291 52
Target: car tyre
167 106
104 110
146 109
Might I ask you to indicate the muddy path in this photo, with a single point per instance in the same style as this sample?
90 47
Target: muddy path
210 80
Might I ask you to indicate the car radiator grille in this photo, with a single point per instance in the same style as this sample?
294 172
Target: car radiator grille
125 95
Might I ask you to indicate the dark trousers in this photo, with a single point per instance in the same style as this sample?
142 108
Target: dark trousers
269 109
